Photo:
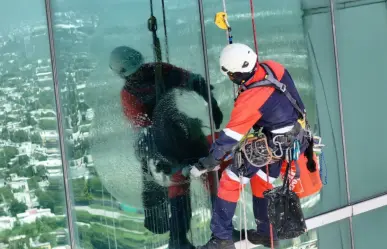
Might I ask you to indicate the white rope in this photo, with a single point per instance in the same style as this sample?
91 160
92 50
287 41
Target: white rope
225 11
243 200
234 88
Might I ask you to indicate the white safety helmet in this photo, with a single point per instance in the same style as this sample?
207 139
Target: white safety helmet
125 61
237 61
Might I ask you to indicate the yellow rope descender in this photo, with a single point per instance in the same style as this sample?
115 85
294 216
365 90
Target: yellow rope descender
222 23
221 20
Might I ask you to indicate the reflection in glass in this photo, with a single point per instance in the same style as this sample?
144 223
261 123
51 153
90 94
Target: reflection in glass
32 206
135 115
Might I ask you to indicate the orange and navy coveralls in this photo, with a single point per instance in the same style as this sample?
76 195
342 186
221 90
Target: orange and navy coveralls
263 107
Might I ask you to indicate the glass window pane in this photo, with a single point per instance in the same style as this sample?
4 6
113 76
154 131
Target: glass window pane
336 236
133 122
374 223
318 36
32 205
298 36
355 52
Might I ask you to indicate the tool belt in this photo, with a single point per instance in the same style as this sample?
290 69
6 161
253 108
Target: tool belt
263 147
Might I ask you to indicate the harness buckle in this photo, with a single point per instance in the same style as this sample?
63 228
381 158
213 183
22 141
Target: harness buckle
283 88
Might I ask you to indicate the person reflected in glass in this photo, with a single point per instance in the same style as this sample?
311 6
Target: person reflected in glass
258 107
168 140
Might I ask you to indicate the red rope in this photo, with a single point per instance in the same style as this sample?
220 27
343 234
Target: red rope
271 226
253 22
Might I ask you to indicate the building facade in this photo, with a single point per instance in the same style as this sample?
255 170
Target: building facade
72 165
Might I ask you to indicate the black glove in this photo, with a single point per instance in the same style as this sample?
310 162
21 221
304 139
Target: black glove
208 163
310 163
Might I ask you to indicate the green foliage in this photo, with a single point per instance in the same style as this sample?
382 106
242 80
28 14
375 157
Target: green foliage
41 171
6 155
81 191
21 170
36 138
30 120
19 136
48 124
42 227
6 193
2 212
33 182
17 207
52 198
4 134
47 237
23 160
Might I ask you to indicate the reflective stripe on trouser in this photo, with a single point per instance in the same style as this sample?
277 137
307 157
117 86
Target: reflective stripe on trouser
228 195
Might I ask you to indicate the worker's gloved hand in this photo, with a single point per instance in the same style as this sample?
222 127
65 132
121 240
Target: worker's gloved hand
208 163
195 172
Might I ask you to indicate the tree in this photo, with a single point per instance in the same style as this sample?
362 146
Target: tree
6 155
10 152
78 153
36 138
85 160
24 160
30 120
33 182
48 124
41 171
46 200
4 134
2 212
6 192
17 207
47 237
19 136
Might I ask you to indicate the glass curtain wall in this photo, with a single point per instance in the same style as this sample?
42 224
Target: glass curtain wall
135 112
134 102
361 59
32 206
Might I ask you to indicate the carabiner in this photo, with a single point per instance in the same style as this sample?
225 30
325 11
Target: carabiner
296 150
279 145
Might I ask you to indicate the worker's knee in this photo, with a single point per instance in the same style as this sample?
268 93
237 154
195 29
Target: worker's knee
259 185
229 187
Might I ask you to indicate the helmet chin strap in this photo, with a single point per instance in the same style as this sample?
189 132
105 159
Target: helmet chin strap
243 78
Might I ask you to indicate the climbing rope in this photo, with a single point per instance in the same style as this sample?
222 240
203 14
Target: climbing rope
222 23
165 31
243 201
253 23
271 226
152 26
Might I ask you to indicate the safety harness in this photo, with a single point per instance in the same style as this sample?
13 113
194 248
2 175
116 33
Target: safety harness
270 80
255 144
284 208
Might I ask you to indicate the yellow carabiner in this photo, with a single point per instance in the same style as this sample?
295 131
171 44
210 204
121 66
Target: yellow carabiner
302 123
221 20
